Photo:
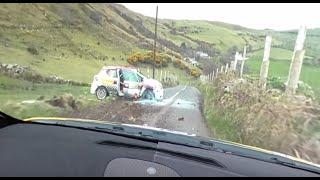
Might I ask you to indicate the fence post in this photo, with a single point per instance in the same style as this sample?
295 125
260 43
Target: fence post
235 62
265 62
148 73
213 75
296 62
243 59
221 71
227 68
231 65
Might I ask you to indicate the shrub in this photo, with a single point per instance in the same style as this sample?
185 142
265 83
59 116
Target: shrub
195 73
32 50
161 60
276 83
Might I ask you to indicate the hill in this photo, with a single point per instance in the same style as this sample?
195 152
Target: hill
75 40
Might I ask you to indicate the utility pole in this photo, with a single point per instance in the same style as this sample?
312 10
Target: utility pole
154 48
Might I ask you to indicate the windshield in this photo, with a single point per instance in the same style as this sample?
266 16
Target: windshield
227 77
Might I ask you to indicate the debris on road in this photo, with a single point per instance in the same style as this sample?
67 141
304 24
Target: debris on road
180 118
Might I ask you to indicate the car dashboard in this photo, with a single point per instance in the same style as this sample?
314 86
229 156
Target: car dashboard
29 149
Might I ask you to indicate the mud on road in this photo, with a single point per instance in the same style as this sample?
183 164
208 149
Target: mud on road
181 110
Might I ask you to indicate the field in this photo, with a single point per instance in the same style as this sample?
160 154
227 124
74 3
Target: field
14 91
279 66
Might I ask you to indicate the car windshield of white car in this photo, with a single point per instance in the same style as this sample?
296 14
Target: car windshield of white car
130 76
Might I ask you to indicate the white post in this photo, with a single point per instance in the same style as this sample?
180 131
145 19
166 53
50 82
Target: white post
296 62
148 73
221 71
243 59
213 75
227 68
217 72
231 65
161 75
235 62
265 63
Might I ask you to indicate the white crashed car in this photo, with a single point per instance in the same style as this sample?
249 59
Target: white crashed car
135 85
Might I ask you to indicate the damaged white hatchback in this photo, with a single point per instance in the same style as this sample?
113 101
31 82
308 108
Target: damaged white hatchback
125 81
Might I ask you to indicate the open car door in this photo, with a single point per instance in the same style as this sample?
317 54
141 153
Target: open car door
131 83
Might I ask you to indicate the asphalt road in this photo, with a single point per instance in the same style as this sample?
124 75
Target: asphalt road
179 111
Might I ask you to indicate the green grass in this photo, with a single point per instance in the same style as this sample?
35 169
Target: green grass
275 53
279 66
220 121
221 124
170 71
20 90
222 36
14 91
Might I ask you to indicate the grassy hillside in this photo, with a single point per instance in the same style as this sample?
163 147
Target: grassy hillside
75 40
15 94
69 40
312 45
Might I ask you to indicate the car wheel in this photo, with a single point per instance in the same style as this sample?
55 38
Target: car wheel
148 94
101 92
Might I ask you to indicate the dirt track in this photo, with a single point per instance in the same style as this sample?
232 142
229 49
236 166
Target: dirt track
179 111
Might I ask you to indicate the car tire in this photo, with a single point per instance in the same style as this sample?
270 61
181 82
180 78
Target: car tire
148 94
102 93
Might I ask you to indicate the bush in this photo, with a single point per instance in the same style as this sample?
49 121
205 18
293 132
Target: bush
162 59
276 83
195 73
32 50
305 89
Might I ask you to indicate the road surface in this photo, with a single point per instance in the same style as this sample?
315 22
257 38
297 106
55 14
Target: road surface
179 111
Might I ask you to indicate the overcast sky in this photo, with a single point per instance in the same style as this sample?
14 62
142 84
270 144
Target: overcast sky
278 16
